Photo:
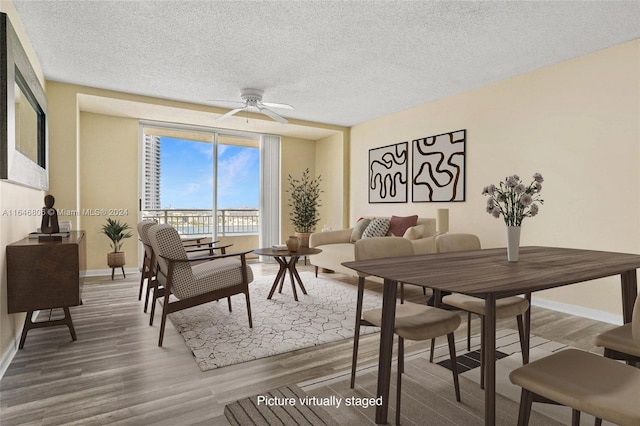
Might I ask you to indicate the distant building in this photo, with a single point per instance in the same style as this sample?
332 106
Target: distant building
151 188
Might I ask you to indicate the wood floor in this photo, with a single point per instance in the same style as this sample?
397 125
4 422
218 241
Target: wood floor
116 374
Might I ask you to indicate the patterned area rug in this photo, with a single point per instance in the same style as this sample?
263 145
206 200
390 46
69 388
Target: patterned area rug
326 314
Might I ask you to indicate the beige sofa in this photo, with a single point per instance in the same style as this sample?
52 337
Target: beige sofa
337 247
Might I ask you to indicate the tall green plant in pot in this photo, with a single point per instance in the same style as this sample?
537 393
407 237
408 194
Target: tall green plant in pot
304 200
116 232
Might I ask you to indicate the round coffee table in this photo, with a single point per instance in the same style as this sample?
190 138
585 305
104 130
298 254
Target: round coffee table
287 261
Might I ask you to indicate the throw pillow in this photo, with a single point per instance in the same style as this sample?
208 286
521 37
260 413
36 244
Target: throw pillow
377 228
399 225
414 233
358 229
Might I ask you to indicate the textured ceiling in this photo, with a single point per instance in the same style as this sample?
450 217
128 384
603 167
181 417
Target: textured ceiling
336 62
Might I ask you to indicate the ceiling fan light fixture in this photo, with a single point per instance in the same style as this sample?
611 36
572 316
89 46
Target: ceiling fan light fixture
252 99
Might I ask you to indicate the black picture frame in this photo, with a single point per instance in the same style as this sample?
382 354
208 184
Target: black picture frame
388 173
23 151
439 168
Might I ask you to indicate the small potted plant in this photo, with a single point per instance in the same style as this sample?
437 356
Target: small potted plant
304 200
116 232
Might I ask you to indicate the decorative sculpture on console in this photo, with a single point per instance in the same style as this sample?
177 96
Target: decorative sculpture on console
49 224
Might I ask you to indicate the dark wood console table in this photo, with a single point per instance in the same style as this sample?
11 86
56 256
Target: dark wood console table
45 275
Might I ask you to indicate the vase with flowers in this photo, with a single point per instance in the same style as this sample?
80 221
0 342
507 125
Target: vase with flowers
513 200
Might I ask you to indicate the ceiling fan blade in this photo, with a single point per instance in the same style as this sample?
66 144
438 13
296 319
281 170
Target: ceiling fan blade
276 105
225 101
229 114
273 115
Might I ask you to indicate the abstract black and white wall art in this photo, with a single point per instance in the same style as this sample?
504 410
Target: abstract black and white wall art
388 173
438 167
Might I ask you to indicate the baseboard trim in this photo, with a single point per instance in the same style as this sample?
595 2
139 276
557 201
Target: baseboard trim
8 356
579 311
12 350
107 272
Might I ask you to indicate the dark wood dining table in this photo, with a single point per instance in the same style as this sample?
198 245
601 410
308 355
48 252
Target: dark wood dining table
488 275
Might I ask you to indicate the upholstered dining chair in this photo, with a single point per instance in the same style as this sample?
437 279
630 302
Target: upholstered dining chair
224 275
586 382
618 343
146 272
505 308
412 321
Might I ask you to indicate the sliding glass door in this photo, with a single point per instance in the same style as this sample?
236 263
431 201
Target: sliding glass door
203 182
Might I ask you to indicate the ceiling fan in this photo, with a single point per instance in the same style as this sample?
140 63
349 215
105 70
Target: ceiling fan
252 102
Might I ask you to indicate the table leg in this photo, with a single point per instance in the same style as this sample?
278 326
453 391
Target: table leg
295 273
280 274
386 348
291 266
490 360
629 283
29 325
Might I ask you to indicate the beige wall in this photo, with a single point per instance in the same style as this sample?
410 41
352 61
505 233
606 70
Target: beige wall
331 165
108 182
15 223
295 156
577 123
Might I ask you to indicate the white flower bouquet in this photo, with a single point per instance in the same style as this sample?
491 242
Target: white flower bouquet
514 200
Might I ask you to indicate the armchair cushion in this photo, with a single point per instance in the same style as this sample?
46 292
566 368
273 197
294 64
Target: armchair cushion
215 275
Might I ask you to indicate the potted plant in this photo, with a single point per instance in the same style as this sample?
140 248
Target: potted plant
116 232
304 200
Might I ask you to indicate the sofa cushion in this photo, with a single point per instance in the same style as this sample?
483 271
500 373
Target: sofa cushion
414 232
398 224
377 228
359 228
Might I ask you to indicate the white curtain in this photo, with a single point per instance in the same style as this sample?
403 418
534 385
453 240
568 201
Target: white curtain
269 192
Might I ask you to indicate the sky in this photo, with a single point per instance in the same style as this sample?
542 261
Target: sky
186 175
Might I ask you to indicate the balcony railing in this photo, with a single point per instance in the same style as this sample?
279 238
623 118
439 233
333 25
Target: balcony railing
199 222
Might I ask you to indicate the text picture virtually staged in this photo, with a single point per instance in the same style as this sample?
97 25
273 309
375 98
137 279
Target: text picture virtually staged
286 213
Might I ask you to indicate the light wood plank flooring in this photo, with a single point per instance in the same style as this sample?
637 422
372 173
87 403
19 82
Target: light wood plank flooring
116 374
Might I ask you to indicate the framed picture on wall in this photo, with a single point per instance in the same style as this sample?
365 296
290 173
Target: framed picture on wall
388 173
23 114
438 168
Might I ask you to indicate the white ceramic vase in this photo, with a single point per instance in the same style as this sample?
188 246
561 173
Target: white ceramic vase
513 243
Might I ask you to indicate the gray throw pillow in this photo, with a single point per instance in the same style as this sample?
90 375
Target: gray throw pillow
377 228
359 228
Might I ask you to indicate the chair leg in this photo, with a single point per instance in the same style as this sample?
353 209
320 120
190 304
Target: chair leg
229 303
316 268
598 422
521 331
433 348
575 417
468 331
454 364
482 348
150 286
401 293
526 400
154 300
165 312
143 275
399 379
248 308
356 332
